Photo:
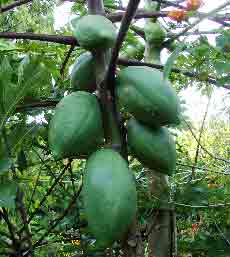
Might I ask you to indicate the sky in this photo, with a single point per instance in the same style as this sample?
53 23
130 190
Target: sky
195 102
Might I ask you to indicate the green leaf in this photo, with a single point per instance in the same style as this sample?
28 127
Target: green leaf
172 58
223 81
223 41
8 90
7 194
33 77
222 67
7 46
21 160
4 165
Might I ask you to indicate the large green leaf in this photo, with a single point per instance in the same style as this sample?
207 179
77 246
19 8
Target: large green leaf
222 67
4 165
7 194
223 41
172 58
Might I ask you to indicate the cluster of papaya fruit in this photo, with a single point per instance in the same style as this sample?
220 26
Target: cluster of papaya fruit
76 129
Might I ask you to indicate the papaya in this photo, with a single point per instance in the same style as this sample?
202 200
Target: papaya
76 127
134 52
144 93
154 33
95 32
83 75
154 148
109 195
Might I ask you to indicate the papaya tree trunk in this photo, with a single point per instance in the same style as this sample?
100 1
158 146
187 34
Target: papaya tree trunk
159 228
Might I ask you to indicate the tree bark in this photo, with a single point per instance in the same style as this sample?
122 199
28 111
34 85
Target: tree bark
160 222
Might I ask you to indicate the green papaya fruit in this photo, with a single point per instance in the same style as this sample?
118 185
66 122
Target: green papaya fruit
76 127
109 194
134 52
95 32
83 75
154 148
147 95
154 33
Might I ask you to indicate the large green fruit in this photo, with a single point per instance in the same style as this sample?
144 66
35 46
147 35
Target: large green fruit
148 96
95 31
154 148
154 33
83 74
109 195
76 127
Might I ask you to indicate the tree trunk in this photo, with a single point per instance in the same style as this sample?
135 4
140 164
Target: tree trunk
160 238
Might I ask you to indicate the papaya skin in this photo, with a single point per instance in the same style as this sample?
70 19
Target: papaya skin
95 32
145 94
76 127
83 75
109 195
154 148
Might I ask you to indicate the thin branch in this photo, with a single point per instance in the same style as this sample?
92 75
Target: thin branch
198 33
34 189
66 40
37 104
200 135
213 156
200 168
24 217
125 23
222 234
72 178
49 191
110 76
60 218
14 5
209 206
205 16
5 216
62 70
169 3
118 16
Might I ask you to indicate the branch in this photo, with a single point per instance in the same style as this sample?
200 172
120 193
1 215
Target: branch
200 135
214 157
118 16
5 216
14 5
209 206
66 40
205 16
222 234
62 70
110 76
201 168
129 14
49 191
60 218
168 3
37 104
24 217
